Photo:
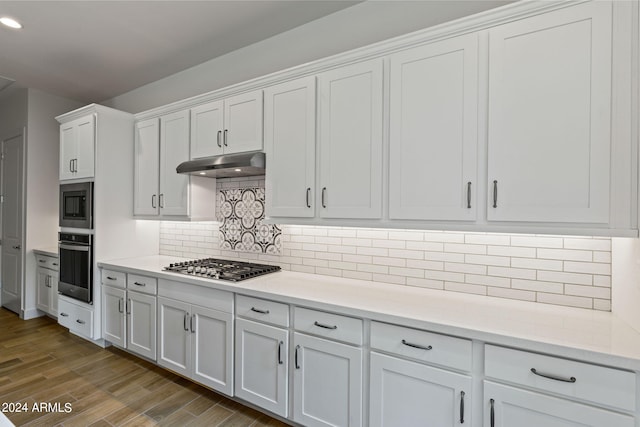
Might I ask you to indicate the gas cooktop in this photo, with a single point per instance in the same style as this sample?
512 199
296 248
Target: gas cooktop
222 269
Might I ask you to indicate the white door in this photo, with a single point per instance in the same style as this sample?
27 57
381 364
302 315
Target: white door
262 365
206 129
327 382
549 116
509 406
84 166
351 141
212 340
43 293
141 324
174 149
290 148
115 319
405 393
243 123
147 167
12 231
434 131
174 336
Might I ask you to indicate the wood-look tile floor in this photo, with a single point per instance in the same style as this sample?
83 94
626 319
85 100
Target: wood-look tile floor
41 362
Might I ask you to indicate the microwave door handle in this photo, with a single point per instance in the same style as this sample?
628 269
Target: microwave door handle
74 247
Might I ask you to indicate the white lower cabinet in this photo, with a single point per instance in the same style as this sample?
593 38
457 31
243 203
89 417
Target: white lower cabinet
75 317
327 382
196 342
506 406
47 284
405 393
262 365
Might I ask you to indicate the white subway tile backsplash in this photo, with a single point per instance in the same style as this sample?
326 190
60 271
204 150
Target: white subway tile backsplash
570 271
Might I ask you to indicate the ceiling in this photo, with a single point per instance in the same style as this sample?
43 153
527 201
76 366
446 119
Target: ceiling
94 50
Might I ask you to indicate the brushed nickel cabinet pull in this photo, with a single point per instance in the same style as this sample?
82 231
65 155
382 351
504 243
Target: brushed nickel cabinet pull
218 139
139 284
184 322
469 195
42 260
462 407
82 322
324 190
421 347
225 139
153 201
495 194
308 192
161 200
129 306
257 310
296 357
111 278
120 310
64 314
322 325
492 414
191 324
554 377
280 362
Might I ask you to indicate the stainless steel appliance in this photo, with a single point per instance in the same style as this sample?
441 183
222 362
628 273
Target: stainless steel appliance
76 205
225 166
76 260
213 268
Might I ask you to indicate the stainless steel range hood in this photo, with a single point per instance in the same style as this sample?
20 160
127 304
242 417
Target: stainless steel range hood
225 166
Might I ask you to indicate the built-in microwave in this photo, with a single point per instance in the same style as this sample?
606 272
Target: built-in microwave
76 205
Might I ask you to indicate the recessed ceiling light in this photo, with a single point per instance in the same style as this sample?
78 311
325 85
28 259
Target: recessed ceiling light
203 173
10 22
238 170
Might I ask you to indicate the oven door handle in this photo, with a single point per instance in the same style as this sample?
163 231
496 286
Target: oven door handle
80 248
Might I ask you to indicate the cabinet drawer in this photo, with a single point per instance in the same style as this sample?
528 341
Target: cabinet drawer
426 346
262 310
77 319
334 326
47 262
144 284
117 279
580 380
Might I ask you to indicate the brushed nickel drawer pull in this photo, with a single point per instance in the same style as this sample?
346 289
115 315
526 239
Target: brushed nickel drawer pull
42 260
322 325
139 284
64 314
82 322
553 377
421 347
111 278
257 310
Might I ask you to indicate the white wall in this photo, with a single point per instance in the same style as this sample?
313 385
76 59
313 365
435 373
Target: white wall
356 26
41 182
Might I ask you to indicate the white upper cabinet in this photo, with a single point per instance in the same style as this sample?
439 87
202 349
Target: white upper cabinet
161 144
549 134
290 144
206 129
174 149
232 125
147 167
351 141
433 131
77 148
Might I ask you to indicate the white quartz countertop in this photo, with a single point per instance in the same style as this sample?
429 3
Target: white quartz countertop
599 337
49 251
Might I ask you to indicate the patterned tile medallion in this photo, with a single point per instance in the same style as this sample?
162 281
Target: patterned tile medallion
242 228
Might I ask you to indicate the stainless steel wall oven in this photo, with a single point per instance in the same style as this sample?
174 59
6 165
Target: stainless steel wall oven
76 266
76 205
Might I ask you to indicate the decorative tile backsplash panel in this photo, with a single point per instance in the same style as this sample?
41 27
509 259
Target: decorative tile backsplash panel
562 270
241 214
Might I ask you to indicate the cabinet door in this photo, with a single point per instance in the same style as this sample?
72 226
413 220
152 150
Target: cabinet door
290 147
243 123
141 325
405 393
43 293
351 141
86 140
174 336
212 332
77 148
206 129
53 303
434 131
327 382
146 169
262 365
115 318
549 116
509 406
174 149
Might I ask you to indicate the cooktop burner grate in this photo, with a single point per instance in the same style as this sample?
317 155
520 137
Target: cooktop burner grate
222 269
